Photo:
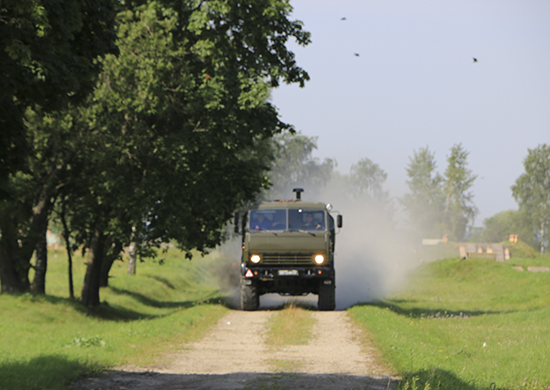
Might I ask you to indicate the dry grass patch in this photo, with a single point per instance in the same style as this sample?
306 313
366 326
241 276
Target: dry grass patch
283 365
290 326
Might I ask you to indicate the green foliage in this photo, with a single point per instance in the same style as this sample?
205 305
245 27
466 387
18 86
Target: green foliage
23 216
49 341
178 120
366 180
532 192
439 205
454 326
424 204
294 166
364 186
82 342
522 250
48 58
192 106
500 226
459 207
51 54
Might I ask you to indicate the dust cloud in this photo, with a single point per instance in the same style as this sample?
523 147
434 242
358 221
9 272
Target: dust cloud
372 256
227 270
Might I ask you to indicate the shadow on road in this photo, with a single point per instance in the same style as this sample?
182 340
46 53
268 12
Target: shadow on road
118 380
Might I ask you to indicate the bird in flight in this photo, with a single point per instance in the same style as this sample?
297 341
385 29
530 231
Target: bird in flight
344 18
475 59
356 54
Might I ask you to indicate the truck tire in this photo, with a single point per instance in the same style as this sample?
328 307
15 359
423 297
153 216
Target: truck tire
250 299
327 297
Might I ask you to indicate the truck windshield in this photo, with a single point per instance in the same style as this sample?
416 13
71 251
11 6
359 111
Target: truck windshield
290 220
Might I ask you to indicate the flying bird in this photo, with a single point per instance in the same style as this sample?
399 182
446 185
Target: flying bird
344 18
356 54
475 59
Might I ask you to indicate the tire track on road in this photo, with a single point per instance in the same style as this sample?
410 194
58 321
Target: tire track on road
233 355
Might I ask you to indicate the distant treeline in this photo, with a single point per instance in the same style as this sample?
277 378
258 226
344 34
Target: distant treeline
436 205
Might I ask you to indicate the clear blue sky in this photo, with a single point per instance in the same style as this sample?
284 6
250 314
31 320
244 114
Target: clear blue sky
415 84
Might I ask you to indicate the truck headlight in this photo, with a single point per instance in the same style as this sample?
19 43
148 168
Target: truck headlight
255 258
319 259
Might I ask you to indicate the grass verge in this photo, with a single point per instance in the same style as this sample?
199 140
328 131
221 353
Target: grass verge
466 324
46 342
290 326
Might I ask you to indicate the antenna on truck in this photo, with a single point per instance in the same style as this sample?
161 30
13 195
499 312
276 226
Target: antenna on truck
298 193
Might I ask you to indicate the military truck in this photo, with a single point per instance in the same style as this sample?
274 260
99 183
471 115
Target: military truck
288 248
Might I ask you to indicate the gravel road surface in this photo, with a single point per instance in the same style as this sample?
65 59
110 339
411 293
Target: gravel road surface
234 356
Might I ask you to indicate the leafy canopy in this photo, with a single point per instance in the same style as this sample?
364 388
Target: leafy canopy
424 203
532 191
48 57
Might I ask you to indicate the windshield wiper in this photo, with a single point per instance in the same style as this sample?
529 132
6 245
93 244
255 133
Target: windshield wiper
303 231
267 231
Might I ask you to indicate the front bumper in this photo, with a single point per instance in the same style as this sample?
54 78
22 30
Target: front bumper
287 280
273 273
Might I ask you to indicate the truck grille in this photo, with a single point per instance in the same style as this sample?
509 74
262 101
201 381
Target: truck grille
286 259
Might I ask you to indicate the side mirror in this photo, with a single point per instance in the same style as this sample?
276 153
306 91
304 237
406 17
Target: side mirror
339 221
236 222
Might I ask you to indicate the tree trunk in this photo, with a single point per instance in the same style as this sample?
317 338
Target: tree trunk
16 250
12 281
90 289
39 282
67 238
542 231
70 270
112 254
13 272
132 259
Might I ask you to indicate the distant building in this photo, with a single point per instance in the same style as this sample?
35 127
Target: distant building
52 239
498 252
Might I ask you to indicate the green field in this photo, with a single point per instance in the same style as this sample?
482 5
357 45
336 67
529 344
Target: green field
466 324
47 342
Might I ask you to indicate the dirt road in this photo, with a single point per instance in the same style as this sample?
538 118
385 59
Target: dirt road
233 356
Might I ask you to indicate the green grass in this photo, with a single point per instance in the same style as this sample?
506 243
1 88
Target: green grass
522 251
290 326
49 341
466 324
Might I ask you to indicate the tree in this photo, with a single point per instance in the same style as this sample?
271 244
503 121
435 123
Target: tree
532 191
500 226
294 166
178 124
364 188
24 218
366 182
459 207
48 59
424 203
167 143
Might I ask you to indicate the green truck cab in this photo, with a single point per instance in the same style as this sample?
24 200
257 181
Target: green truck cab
288 248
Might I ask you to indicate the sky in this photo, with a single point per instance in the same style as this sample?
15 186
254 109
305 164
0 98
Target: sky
398 75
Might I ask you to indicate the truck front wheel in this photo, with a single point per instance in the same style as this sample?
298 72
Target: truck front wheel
327 297
250 299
